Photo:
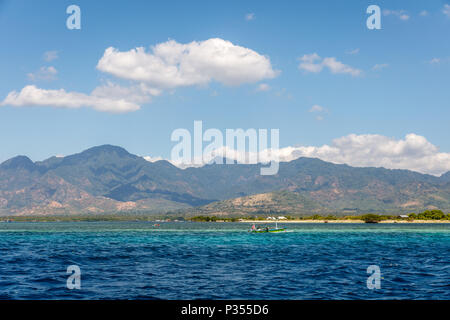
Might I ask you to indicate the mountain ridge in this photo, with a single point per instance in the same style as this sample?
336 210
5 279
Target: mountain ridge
108 178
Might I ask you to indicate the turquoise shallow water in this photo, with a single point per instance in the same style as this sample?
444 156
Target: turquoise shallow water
134 260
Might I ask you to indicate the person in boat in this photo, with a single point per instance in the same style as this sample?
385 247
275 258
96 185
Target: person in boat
267 229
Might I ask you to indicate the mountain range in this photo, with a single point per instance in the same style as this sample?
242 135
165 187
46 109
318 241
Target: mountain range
108 179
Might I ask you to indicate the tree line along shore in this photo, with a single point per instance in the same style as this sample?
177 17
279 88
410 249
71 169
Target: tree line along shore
423 217
429 216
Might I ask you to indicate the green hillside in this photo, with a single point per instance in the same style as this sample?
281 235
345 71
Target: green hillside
108 179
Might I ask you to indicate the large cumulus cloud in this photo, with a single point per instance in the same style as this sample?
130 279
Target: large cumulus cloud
413 152
169 65
172 64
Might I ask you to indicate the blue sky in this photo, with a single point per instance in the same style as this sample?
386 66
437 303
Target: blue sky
401 86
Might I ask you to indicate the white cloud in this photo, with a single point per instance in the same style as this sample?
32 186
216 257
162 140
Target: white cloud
249 16
169 65
316 108
263 87
44 73
404 17
434 61
152 159
414 152
50 55
424 13
446 10
338 67
354 51
172 64
379 66
308 63
315 64
401 14
33 96
437 61
139 94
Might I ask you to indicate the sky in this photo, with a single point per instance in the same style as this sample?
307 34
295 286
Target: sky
137 70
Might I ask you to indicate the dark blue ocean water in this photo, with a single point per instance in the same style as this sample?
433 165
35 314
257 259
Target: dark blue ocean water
134 260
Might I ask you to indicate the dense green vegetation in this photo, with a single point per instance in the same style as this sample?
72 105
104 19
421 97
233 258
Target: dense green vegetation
430 215
371 218
368 218
212 219
426 215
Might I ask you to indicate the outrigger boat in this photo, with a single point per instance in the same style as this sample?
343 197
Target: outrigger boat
258 229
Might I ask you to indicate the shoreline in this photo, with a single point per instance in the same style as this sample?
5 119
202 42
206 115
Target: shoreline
248 221
343 221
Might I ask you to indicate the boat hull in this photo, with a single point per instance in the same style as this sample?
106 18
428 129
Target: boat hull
268 231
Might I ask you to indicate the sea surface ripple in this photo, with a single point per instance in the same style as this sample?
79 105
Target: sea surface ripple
186 260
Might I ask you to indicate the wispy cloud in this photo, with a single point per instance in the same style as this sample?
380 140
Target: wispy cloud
424 13
250 16
435 61
319 111
378 67
352 52
401 14
263 87
310 63
446 10
50 55
44 73
316 108
439 60
315 64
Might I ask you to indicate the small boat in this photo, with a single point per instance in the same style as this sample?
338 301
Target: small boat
258 229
